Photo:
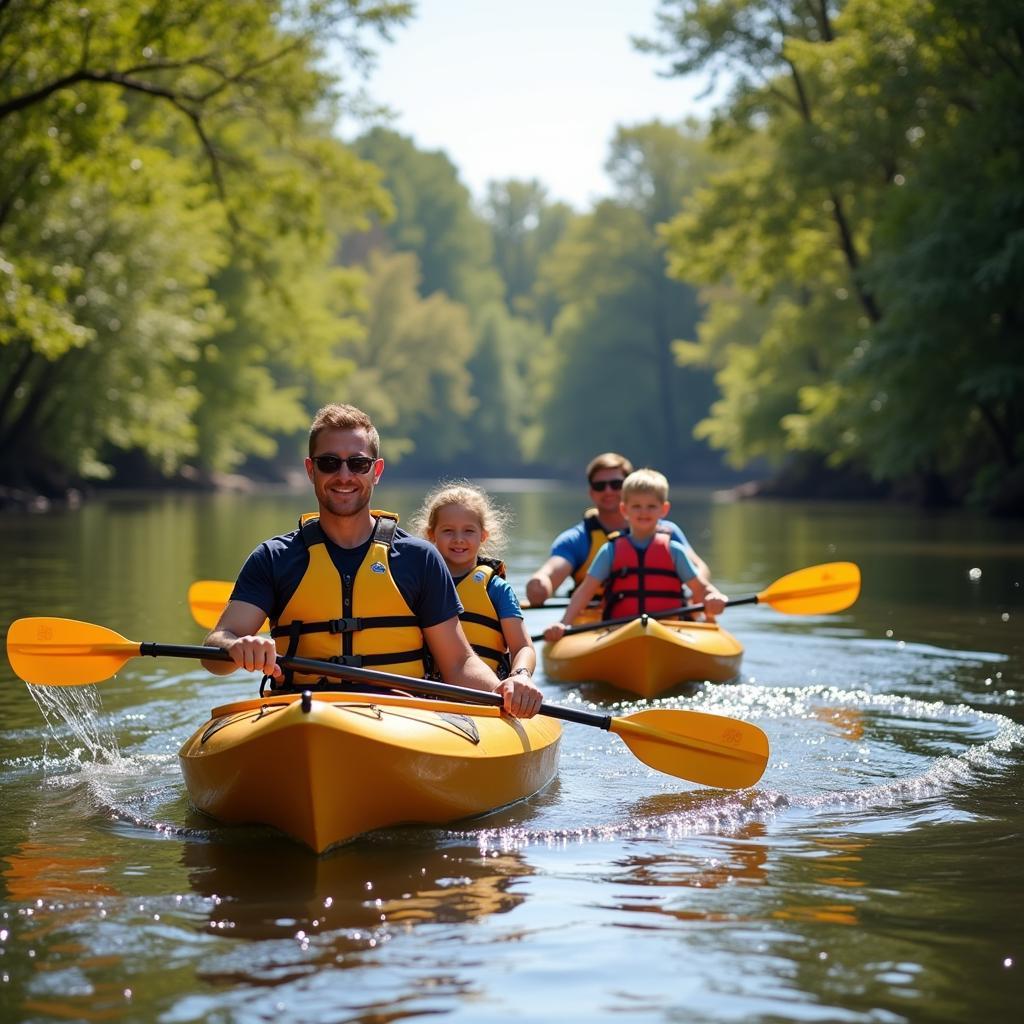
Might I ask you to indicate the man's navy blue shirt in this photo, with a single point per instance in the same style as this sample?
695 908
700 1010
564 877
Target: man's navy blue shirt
271 575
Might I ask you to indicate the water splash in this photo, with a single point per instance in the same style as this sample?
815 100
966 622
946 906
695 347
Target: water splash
72 714
822 738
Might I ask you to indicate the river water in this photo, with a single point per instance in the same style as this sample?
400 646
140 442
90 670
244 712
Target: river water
874 873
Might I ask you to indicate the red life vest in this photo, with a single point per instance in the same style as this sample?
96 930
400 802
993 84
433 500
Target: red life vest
642 581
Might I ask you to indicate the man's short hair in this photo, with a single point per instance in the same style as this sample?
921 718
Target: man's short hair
646 481
344 417
608 460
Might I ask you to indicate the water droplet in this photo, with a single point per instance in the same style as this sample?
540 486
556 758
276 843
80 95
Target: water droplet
974 574
888 633
1005 616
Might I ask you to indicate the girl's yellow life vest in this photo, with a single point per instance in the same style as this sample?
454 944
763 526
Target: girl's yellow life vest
479 618
361 620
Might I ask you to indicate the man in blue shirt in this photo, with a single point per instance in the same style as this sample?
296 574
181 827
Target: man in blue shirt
574 549
344 466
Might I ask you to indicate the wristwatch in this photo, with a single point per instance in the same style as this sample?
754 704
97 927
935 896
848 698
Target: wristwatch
521 672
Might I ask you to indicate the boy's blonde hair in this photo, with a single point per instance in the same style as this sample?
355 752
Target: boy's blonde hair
645 481
493 520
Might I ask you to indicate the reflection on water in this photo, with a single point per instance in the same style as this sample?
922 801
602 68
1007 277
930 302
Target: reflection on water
664 882
263 887
827 862
891 803
848 722
57 870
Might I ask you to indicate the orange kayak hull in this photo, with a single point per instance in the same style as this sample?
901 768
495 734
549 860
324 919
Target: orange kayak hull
352 763
646 656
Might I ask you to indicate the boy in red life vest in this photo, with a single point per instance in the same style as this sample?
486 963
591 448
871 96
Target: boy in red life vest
643 569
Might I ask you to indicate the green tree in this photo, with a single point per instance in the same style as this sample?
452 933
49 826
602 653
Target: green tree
943 370
871 206
613 339
433 218
159 160
507 350
409 364
525 227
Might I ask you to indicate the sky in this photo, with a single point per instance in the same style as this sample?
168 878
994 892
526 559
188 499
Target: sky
527 88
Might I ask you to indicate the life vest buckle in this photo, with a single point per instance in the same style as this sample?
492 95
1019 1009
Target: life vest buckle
350 660
343 625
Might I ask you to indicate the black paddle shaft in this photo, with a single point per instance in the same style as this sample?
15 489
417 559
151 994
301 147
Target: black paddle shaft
367 675
669 613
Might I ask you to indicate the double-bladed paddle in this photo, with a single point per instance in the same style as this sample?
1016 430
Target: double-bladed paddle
710 750
207 599
816 590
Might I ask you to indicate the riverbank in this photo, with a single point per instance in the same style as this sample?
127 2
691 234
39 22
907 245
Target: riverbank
793 483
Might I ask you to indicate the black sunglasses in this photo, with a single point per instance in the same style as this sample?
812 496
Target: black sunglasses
360 464
600 485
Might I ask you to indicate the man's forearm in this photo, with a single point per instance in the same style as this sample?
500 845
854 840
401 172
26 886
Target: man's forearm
474 674
219 638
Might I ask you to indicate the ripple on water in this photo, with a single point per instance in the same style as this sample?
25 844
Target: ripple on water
831 748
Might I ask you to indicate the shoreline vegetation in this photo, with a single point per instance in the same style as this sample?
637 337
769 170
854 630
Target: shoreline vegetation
834 487
816 293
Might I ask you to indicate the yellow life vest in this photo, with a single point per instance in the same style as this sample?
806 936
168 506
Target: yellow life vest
598 536
479 619
362 620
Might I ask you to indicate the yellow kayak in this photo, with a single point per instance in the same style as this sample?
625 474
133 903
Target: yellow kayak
646 656
331 768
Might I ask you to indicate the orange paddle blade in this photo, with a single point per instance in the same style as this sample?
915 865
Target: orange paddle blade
207 599
711 750
816 590
65 652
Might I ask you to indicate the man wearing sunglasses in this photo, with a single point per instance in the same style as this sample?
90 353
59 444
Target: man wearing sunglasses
574 549
349 586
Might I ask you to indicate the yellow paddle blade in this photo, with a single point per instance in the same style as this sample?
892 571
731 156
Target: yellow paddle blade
65 652
711 750
816 590
206 600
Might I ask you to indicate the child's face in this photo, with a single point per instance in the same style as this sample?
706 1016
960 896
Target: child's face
458 535
642 511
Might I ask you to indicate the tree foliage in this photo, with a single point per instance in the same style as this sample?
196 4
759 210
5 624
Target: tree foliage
409 364
434 218
525 227
872 211
612 382
162 218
